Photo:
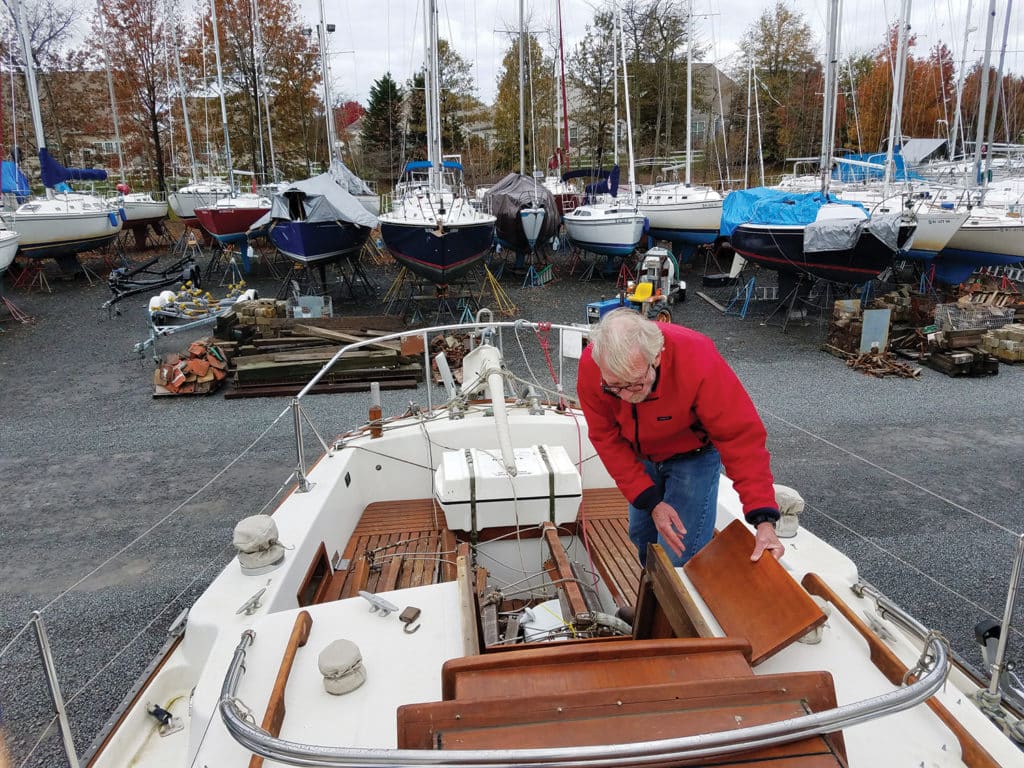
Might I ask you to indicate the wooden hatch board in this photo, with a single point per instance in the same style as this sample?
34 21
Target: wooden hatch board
759 601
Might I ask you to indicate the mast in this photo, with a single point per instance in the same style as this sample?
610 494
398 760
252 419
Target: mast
432 97
629 125
561 61
954 134
522 117
223 102
325 73
30 76
998 94
898 84
689 83
983 98
110 88
828 122
184 105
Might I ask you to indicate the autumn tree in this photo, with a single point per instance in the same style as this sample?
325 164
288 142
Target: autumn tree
381 142
132 35
64 96
780 47
590 75
278 63
457 101
538 109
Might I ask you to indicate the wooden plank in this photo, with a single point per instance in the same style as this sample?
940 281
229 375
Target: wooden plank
274 716
467 602
759 601
665 607
888 663
418 723
566 581
346 338
594 665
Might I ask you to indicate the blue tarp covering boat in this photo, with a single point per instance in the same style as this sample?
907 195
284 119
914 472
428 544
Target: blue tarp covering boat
763 205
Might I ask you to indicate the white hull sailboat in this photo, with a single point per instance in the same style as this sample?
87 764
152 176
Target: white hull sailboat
685 214
611 226
439 590
8 249
197 194
63 224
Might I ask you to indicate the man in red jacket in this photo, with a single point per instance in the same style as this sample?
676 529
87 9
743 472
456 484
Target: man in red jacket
665 412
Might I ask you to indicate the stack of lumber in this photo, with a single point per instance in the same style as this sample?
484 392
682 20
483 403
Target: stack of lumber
199 370
959 353
909 308
281 355
1006 343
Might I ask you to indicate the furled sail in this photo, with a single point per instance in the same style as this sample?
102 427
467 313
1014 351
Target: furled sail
53 173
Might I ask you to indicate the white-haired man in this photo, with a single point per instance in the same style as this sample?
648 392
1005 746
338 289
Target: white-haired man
665 412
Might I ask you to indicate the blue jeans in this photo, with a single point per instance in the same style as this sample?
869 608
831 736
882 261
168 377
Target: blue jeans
690 487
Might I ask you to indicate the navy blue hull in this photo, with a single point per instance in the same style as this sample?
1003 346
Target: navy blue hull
954 265
321 241
781 249
438 257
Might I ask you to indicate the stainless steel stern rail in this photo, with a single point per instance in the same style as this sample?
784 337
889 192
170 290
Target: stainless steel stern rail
706 745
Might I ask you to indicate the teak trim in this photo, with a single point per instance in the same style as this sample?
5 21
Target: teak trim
665 608
274 716
889 664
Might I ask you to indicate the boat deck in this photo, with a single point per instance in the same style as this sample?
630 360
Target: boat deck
400 544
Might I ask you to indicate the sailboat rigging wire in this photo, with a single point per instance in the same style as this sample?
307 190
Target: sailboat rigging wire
217 475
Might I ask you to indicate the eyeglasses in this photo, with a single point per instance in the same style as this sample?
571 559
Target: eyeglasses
634 386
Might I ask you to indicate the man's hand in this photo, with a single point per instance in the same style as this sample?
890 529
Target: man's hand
671 528
765 539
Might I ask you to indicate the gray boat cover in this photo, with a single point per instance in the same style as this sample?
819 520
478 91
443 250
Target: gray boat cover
514 192
843 234
324 199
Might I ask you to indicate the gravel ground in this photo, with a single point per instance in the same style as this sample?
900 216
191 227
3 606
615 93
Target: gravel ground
917 481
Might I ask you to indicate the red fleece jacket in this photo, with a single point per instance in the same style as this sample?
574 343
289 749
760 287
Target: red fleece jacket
696 399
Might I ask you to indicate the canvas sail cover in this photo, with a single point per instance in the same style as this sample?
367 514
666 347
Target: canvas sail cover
53 173
513 193
319 198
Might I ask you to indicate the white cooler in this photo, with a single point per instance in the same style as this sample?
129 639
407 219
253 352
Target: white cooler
476 492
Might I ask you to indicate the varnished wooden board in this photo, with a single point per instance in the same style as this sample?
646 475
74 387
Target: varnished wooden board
759 601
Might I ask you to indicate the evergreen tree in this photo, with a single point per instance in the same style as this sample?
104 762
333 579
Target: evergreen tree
382 131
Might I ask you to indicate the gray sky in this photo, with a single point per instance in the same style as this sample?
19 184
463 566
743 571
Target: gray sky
375 36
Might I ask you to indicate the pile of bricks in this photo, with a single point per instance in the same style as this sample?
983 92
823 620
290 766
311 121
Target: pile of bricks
198 371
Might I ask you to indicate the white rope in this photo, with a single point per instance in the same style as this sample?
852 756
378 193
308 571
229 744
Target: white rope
170 514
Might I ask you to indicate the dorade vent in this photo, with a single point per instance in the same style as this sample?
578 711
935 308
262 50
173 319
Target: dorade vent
341 664
255 540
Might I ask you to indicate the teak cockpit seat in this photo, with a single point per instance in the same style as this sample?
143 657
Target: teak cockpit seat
681 682
396 544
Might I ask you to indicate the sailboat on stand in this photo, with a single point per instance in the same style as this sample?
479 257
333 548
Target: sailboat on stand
610 226
814 234
61 224
319 221
433 230
687 215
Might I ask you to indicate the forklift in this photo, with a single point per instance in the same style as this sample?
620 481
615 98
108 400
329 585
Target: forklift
653 292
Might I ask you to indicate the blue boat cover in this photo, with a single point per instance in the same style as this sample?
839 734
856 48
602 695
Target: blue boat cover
871 168
53 173
763 205
422 165
14 181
